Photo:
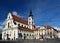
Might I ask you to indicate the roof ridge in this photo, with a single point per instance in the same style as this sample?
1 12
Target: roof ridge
18 19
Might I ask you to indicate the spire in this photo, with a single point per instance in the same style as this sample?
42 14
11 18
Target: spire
30 12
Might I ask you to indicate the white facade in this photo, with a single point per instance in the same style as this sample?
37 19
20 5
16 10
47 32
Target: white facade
12 32
30 22
58 35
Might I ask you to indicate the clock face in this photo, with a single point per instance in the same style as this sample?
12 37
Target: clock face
29 22
29 18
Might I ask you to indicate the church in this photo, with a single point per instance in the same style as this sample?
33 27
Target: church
18 28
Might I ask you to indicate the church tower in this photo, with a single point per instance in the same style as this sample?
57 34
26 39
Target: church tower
30 20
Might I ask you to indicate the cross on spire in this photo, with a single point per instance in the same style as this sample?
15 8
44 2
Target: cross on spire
30 12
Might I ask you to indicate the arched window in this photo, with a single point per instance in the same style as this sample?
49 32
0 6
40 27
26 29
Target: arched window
27 34
8 25
18 24
24 34
30 34
22 25
14 35
20 35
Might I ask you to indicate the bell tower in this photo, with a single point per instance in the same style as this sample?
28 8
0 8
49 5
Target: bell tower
30 20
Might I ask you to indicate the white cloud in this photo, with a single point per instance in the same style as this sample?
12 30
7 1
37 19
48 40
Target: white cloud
57 28
2 24
1 27
37 26
15 13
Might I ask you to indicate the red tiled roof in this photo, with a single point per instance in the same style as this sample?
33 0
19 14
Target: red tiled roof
24 22
27 29
48 27
16 18
58 31
20 20
35 29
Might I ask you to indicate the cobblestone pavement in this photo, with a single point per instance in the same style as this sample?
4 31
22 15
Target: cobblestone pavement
32 41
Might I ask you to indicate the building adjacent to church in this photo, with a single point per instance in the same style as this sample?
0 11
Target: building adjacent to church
18 28
58 34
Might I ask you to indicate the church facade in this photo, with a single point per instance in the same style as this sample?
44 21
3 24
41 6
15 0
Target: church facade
18 28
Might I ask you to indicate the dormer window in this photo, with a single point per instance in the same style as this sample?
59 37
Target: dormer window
22 25
18 24
15 23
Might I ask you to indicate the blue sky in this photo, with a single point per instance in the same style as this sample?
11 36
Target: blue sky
45 12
